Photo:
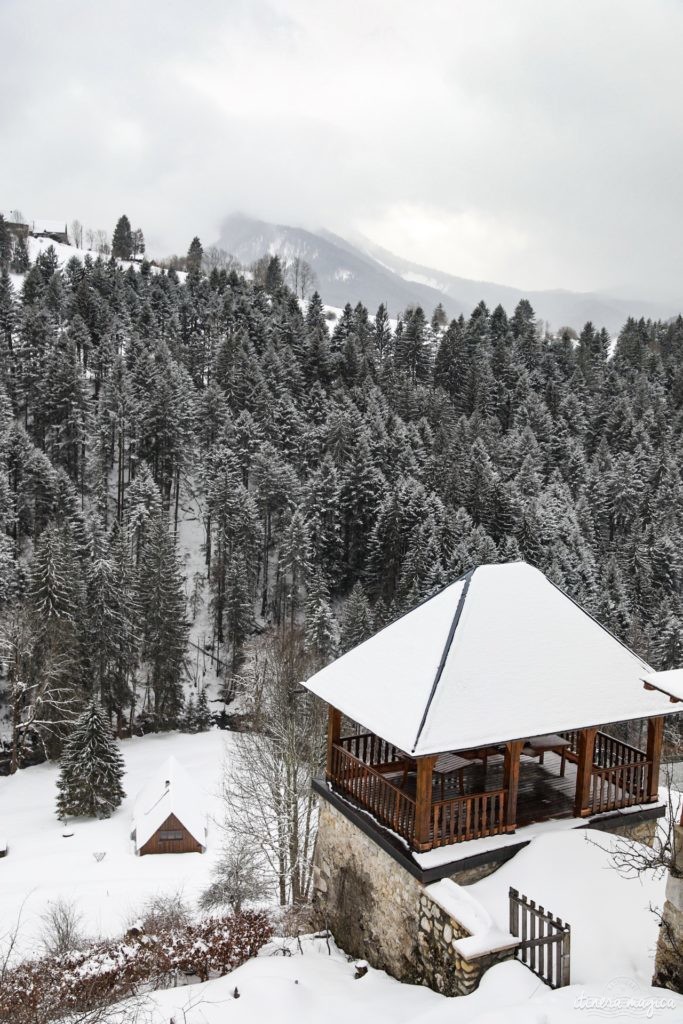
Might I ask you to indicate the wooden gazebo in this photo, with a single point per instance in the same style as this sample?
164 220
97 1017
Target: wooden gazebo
493 705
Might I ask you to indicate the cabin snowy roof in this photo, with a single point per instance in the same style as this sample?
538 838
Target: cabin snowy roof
500 654
169 791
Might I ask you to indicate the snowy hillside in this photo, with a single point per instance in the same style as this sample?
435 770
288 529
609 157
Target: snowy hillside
613 928
36 246
308 984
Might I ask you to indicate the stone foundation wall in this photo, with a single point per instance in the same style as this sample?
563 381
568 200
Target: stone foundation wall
376 910
367 900
642 832
443 969
669 959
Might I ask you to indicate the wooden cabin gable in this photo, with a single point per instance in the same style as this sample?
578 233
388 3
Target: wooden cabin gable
172 837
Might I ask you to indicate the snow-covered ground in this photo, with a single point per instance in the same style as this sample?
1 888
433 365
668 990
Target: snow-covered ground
614 931
47 861
313 984
571 873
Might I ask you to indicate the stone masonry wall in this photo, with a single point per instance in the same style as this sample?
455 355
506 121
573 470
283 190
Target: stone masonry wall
376 910
443 969
669 959
641 832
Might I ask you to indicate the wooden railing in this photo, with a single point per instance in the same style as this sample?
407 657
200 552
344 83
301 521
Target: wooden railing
572 751
370 749
610 752
623 785
620 772
620 775
468 817
385 801
545 940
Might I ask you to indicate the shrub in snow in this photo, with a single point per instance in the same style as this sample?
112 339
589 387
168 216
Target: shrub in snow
163 912
62 929
239 878
91 768
78 982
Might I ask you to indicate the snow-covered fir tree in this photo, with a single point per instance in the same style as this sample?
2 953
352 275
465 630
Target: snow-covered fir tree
90 768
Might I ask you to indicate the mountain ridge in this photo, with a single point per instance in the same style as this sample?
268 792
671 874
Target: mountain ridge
356 269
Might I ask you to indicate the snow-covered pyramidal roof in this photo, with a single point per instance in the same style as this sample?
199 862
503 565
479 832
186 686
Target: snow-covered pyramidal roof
500 654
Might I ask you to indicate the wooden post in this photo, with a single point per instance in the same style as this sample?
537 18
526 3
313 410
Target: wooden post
333 734
655 735
513 751
423 803
584 771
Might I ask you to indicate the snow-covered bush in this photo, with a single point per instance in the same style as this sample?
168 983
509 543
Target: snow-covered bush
40 991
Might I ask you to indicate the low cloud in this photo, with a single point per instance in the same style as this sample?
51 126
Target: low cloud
535 144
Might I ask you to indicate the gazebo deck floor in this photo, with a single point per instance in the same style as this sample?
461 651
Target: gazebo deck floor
543 794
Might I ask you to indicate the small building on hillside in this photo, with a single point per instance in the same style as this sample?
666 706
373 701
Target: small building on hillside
495 707
169 816
56 230
15 224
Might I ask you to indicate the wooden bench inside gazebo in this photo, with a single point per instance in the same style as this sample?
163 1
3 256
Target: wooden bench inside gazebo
490 707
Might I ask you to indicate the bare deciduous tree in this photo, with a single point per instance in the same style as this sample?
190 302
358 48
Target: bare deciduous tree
77 233
632 859
62 930
300 275
267 785
239 877
102 242
216 258
307 279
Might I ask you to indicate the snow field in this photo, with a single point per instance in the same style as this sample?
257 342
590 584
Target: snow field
43 865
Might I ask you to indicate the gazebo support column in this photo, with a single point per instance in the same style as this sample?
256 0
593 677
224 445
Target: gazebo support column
655 736
334 718
423 803
513 752
584 771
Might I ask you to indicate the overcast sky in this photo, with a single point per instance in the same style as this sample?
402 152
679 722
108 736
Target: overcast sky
537 142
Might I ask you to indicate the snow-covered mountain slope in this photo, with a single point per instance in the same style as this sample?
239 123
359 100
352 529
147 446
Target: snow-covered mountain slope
47 861
558 306
344 274
358 269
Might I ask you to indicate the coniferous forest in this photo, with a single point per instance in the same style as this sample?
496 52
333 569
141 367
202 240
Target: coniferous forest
341 468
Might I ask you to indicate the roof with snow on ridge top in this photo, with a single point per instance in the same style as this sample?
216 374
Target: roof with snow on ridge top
500 654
